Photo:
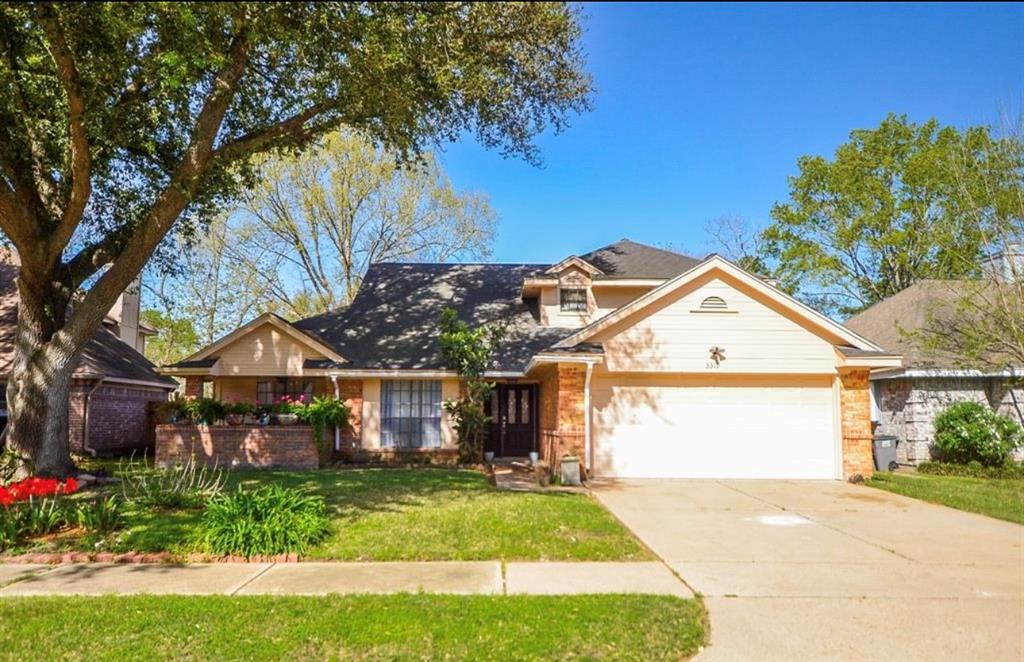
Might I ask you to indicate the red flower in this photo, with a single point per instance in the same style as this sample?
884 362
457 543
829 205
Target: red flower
70 486
5 497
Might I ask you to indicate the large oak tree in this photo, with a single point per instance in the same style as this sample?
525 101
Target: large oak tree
120 122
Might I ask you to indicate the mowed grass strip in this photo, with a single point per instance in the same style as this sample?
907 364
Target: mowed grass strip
401 627
995 497
405 515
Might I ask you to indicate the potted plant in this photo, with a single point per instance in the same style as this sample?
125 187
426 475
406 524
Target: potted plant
285 411
236 412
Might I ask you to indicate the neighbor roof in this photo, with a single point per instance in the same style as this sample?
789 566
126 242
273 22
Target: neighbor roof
105 355
628 259
890 323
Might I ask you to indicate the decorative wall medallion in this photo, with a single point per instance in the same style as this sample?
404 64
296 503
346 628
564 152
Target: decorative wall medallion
718 355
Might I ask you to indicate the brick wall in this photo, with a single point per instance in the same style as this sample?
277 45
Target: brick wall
119 419
238 446
855 413
562 412
194 387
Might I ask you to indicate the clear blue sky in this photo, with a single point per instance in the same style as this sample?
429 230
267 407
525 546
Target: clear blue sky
702 111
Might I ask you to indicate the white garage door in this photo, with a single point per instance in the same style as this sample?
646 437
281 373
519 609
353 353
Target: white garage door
664 428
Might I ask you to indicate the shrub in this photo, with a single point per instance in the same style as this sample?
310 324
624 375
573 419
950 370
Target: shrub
188 485
971 432
101 515
267 521
320 413
1010 470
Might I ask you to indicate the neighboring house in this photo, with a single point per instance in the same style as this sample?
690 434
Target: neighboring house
906 400
644 362
113 383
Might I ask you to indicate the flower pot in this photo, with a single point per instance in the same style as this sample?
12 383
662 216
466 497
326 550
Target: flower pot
235 419
488 456
287 419
534 456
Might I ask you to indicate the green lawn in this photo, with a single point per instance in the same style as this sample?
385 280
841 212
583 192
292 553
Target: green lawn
406 627
407 514
999 498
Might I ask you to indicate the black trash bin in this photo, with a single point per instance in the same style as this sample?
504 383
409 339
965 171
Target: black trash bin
884 450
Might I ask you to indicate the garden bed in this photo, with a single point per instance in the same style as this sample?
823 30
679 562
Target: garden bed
386 515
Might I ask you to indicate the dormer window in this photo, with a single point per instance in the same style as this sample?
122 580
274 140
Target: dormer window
573 299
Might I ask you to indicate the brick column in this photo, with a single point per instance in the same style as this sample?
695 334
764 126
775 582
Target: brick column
562 412
855 415
194 387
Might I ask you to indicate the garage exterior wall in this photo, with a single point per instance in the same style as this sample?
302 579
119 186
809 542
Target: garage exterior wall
855 412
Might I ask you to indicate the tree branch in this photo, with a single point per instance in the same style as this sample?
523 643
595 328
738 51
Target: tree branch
81 159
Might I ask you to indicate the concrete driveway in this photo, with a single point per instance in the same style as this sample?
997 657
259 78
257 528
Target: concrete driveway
828 570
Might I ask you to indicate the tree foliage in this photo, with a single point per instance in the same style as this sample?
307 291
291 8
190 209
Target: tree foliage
122 121
315 222
469 351
895 205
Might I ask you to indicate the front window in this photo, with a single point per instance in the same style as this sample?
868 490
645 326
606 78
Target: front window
270 391
410 414
573 299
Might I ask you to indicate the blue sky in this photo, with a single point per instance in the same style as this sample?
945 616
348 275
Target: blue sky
702 111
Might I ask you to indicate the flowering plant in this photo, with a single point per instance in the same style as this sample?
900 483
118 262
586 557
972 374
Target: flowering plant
286 404
36 486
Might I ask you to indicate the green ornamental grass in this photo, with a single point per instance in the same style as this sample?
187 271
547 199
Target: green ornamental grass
266 521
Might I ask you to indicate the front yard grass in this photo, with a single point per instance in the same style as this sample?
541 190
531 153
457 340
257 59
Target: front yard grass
995 497
403 515
404 627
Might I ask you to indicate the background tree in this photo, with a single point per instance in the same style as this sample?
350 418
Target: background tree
891 208
979 323
122 121
324 216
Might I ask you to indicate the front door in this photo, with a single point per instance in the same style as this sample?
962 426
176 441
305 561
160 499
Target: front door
512 410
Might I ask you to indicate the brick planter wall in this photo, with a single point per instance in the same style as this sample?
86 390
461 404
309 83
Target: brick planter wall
238 446
855 410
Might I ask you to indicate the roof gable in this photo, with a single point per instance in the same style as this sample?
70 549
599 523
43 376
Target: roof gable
630 259
278 322
715 262
574 261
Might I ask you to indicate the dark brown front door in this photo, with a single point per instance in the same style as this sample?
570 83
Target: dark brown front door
513 430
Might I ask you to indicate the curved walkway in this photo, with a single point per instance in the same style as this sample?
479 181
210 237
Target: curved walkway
828 570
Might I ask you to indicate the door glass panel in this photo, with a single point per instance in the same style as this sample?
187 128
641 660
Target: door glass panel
494 409
524 406
511 420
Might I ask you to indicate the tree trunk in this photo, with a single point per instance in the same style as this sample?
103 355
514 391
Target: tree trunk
39 386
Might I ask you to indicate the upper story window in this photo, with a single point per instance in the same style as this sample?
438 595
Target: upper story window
573 299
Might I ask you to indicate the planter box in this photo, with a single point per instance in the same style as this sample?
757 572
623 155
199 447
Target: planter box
238 446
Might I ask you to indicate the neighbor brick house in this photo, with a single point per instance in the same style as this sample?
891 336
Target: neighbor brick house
641 361
907 399
113 383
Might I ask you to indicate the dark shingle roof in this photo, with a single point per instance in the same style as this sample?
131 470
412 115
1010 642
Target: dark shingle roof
392 323
628 259
104 355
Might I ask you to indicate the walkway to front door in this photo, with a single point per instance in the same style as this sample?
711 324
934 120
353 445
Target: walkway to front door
513 428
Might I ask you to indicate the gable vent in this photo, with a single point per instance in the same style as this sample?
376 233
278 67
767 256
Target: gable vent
714 303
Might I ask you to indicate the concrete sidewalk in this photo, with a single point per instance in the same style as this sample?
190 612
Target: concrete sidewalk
455 577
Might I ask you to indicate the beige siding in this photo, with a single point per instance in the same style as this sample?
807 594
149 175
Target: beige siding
265 351
714 426
243 389
757 335
371 413
603 299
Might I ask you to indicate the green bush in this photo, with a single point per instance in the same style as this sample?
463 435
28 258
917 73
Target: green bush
35 517
971 432
100 515
188 485
1009 470
267 521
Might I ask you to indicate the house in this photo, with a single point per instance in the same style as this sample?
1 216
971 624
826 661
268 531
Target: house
906 400
113 384
642 361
